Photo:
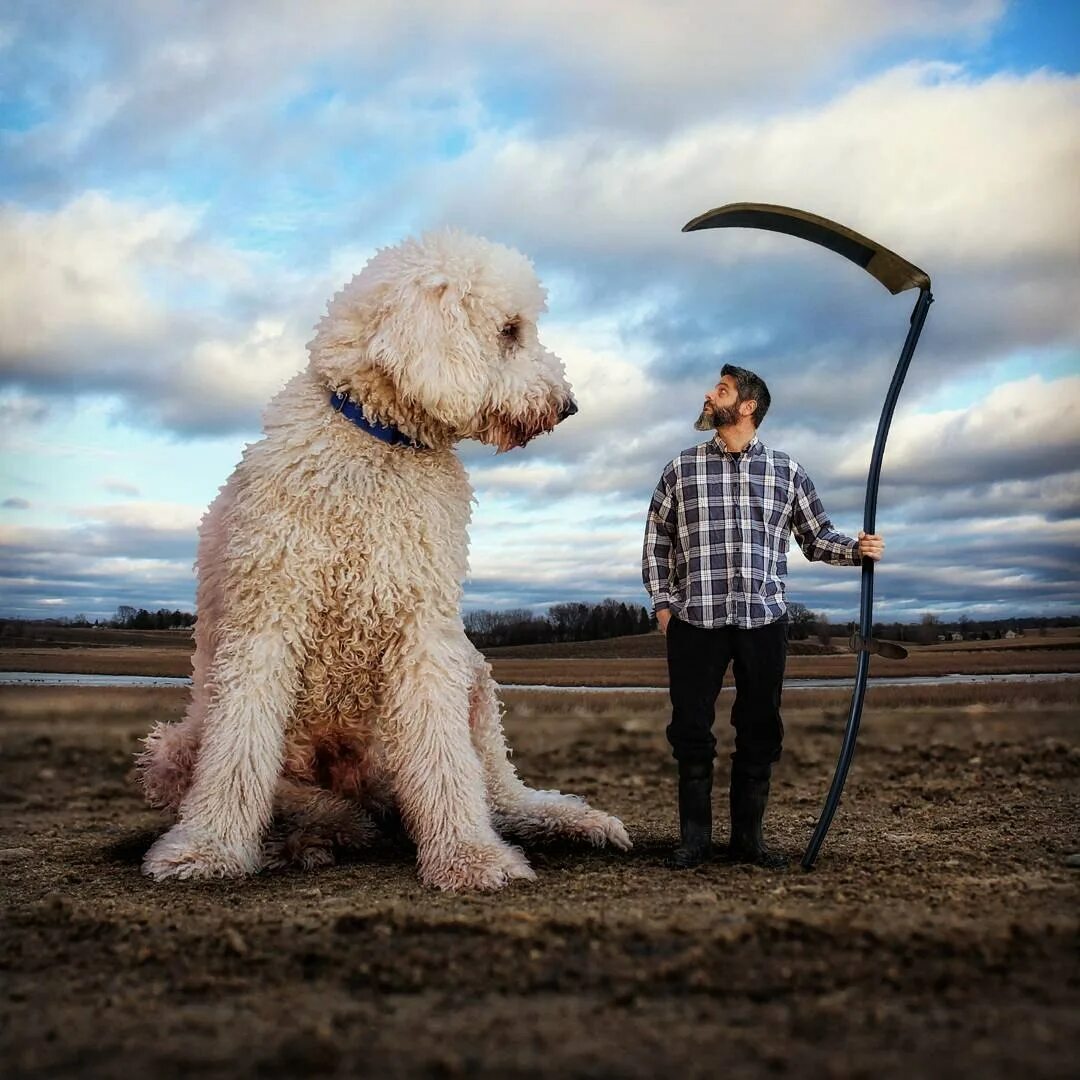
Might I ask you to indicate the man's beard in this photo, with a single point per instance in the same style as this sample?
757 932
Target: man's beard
712 418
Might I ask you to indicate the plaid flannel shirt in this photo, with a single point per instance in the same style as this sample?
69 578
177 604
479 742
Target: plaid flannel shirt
718 530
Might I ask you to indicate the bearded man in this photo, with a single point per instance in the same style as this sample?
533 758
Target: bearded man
714 563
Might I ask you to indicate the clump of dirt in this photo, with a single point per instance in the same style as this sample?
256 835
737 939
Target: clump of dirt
936 937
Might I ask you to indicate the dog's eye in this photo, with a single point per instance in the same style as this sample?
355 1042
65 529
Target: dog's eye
510 331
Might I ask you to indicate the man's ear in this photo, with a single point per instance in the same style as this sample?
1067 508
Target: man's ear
747 407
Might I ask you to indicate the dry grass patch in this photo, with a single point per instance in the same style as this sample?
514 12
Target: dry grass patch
646 672
106 660
90 705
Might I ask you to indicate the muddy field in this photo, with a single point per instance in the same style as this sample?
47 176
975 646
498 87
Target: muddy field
937 937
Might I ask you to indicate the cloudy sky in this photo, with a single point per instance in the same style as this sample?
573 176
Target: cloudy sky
184 185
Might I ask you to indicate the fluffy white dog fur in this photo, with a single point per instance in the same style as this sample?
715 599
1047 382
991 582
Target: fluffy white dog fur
332 674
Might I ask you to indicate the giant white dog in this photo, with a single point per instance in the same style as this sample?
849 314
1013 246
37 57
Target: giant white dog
332 675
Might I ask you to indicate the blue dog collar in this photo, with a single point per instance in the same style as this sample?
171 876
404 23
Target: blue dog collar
386 433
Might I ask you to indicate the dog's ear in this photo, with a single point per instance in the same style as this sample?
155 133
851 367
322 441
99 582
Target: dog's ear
445 290
435 350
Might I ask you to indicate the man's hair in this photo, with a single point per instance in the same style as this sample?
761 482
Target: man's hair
750 387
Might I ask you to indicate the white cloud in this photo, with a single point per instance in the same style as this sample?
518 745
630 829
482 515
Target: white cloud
167 80
19 412
150 516
104 295
943 167
115 555
76 269
117 486
1054 498
1022 429
996 567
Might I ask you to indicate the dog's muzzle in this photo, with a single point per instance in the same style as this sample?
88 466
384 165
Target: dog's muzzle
568 409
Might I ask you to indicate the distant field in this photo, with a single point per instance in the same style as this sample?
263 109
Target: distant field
627 661
64 637
651 646
111 660
638 646
570 672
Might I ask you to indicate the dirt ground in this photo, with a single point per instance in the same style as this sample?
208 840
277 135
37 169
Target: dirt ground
937 936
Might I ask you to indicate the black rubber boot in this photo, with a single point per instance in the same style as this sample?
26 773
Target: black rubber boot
749 797
695 816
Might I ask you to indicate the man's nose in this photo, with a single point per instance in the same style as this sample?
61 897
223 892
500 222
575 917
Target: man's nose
568 409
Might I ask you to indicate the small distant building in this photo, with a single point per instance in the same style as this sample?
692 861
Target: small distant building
956 636
1010 633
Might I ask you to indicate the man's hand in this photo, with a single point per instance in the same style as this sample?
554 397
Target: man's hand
663 617
871 546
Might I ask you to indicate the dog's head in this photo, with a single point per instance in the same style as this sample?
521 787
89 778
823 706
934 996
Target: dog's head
438 337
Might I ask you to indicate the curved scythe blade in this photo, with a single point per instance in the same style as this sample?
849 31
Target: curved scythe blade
896 274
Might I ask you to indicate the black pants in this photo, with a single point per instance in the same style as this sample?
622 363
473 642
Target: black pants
697 662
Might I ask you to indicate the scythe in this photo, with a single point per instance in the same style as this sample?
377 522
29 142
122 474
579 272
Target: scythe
897 275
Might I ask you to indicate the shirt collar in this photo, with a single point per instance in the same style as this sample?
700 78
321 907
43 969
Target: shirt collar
753 447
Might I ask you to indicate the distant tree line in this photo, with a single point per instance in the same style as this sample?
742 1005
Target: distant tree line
562 622
129 618
126 618
609 618
930 628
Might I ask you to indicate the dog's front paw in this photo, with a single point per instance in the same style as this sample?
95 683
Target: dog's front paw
482 866
186 853
601 829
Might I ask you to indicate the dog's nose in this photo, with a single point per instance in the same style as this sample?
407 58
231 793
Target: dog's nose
568 409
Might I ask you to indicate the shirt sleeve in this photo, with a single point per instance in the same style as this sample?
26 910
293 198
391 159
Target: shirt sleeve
813 530
660 529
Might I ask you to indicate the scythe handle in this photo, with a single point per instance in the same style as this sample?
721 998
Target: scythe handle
866 597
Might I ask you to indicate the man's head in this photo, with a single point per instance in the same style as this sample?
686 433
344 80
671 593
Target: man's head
739 395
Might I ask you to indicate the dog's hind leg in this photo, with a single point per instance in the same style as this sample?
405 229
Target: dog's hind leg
521 811
166 764
309 823
249 634
229 805
437 776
